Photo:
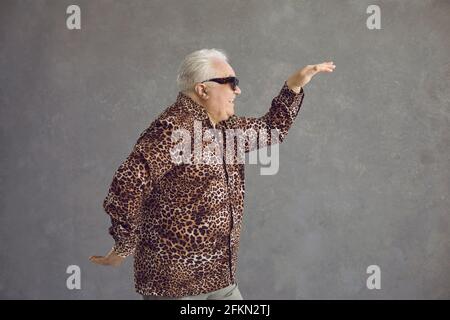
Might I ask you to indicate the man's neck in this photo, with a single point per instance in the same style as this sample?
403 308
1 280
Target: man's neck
197 100
212 120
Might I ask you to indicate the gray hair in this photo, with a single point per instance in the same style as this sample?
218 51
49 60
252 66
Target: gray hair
197 67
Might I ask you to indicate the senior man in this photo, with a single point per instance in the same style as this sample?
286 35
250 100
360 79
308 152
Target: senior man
182 219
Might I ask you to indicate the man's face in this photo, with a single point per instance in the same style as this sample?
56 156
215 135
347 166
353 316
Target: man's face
220 101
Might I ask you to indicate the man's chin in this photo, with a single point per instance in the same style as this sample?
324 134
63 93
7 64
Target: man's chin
228 115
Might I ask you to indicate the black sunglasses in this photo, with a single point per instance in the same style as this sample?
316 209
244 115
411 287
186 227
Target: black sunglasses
233 81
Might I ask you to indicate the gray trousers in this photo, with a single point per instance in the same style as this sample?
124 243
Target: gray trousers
228 293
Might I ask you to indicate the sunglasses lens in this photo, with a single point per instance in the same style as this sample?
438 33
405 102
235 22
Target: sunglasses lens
235 83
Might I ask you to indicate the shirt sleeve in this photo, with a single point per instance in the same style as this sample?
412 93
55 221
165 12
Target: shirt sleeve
274 125
145 165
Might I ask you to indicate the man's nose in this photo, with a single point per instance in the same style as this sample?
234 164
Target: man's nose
237 90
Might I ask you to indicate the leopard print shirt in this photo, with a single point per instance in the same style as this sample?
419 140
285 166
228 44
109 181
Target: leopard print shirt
182 221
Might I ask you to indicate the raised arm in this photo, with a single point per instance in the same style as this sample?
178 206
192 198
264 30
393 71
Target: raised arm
282 113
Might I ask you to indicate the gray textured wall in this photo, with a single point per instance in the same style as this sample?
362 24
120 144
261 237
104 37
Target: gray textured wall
364 174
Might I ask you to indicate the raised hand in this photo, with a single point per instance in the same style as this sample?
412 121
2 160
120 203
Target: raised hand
302 76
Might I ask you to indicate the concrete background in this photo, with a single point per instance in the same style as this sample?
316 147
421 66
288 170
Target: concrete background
364 173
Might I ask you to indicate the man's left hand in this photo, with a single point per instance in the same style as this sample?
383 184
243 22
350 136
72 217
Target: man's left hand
301 77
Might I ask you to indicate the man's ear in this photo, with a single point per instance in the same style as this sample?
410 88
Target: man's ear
201 91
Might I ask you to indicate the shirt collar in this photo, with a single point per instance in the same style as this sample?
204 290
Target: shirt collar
192 107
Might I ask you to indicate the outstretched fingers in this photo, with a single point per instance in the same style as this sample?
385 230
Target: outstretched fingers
325 67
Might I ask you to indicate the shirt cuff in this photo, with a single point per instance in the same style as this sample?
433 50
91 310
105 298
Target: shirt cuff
122 250
290 96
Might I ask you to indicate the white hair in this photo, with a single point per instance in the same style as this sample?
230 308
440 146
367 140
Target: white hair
197 67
